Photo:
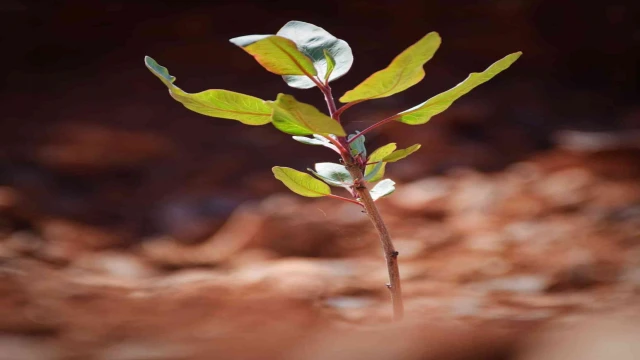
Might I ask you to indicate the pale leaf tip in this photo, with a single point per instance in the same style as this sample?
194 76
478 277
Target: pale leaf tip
149 61
433 34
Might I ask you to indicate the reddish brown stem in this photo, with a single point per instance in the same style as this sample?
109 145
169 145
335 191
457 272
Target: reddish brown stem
390 253
340 145
379 123
345 199
328 97
346 106
360 189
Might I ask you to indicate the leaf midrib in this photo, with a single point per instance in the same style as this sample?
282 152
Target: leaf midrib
292 58
198 101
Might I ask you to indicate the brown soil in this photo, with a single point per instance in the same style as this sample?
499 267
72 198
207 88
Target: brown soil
485 260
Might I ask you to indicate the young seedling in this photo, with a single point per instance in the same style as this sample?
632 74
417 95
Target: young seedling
307 56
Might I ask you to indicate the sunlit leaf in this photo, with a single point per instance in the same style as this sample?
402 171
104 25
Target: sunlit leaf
296 118
333 174
313 41
357 146
301 183
383 188
376 157
277 54
217 103
316 141
331 64
403 72
401 154
422 113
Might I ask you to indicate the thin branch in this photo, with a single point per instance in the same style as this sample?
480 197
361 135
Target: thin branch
346 106
379 123
315 81
345 199
341 142
338 144
328 97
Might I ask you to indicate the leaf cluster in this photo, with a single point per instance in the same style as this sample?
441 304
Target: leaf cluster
307 56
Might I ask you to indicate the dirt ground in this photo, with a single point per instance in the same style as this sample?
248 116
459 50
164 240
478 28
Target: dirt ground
491 265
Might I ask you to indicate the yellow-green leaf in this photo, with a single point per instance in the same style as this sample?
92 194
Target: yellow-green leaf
217 103
301 183
277 54
401 154
403 72
422 113
297 118
377 156
373 174
331 64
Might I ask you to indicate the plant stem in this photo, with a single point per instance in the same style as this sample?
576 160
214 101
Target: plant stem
390 253
346 106
331 104
379 123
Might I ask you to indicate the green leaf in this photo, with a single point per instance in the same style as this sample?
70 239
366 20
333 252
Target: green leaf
403 72
325 179
301 183
422 113
317 140
296 118
402 153
377 156
357 146
277 54
333 174
375 174
217 103
331 64
383 188
313 41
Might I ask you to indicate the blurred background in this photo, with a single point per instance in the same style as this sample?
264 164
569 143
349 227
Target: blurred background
132 228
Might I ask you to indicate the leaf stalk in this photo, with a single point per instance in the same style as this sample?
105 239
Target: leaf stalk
379 123
345 199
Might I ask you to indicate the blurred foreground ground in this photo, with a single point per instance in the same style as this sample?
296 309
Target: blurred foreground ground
487 260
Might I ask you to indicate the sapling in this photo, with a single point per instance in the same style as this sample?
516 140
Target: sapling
307 56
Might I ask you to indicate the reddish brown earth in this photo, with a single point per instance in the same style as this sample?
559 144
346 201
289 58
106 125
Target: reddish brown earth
549 243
